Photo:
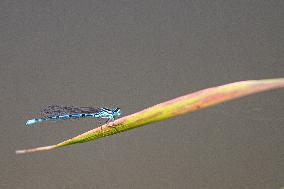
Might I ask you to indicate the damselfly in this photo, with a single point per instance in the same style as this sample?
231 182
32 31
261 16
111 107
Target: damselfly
56 112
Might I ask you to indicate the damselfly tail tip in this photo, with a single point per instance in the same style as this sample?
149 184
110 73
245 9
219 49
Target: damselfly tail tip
31 121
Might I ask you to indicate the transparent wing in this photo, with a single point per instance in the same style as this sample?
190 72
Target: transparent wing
56 110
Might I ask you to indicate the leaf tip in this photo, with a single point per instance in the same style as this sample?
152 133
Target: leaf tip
20 151
38 149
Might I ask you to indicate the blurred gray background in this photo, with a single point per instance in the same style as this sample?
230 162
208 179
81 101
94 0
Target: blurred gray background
134 54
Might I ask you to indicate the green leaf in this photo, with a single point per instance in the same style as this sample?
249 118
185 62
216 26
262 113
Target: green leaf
175 107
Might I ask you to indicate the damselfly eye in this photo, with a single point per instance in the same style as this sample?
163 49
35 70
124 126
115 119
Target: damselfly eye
117 111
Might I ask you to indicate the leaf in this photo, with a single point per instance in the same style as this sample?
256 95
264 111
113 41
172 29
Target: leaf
175 107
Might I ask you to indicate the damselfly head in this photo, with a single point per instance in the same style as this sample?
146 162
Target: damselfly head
116 112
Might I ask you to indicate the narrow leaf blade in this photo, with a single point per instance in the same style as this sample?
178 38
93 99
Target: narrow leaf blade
175 107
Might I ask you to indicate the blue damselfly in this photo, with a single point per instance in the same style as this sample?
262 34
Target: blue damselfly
55 112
